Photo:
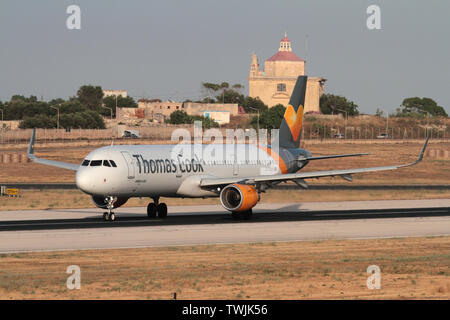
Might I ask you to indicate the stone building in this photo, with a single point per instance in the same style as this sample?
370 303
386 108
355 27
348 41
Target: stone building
108 93
161 110
275 83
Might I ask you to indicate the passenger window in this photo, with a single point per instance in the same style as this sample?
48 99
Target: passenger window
96 163
106 163
85 163
113 163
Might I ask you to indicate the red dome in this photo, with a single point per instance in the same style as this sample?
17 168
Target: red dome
284 56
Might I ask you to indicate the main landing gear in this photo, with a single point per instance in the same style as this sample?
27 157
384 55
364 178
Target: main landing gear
155 208
109 216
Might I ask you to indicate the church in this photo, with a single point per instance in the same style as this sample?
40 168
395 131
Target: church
275 83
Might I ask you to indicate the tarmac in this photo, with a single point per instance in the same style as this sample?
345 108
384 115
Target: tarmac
80 229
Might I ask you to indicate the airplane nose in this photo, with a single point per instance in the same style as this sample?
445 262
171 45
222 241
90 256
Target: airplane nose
83 181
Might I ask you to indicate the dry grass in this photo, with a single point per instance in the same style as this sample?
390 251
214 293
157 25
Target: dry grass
411 268
54 199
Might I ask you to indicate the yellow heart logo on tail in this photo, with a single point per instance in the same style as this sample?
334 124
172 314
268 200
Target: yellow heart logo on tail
294 120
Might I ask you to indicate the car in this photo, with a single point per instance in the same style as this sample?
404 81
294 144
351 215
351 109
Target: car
384 136
133 134
339 136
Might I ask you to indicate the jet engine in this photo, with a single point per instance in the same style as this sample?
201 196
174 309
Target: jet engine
103 204
238 197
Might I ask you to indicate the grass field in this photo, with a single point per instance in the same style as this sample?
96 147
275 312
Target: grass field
411 268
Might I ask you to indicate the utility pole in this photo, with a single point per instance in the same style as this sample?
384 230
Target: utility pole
387 123
57 109
345 122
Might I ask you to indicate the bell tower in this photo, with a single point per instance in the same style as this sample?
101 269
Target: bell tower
254 66
285 44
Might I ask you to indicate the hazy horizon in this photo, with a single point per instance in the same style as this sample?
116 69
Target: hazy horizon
165 49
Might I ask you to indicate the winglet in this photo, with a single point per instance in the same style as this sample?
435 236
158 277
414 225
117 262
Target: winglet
422 152
30 151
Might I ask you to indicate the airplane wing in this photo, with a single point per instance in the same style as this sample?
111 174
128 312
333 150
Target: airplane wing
59 164
298 177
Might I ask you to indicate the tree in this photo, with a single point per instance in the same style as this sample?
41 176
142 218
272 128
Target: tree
179 117
18 97
19 108
207 122
255 103
122 102
56 101
71 106
420 106
90 96
379 112
271 118
223 92
83 120
38 121
334 104
230 96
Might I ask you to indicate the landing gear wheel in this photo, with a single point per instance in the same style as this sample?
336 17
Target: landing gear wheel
112 216
151 210
105 216
162 210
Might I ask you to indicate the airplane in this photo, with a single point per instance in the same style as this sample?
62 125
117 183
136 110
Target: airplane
113 174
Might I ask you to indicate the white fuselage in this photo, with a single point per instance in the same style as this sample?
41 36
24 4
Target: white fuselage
169 170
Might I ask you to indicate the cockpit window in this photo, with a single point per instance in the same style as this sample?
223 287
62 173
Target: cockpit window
96 163
85 163
106 163
113 163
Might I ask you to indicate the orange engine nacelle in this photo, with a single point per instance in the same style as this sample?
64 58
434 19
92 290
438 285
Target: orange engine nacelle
238 197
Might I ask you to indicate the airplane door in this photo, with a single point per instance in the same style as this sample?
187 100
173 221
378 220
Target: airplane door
130 163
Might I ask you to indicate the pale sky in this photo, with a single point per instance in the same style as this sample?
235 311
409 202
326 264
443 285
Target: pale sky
167 48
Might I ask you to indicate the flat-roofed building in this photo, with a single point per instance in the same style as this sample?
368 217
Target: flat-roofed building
161 110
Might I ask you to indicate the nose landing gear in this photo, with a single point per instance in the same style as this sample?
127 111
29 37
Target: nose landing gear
109 216
157 209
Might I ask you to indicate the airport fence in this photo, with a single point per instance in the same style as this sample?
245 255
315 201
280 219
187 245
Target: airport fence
160 133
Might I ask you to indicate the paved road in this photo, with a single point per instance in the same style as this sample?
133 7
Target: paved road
68 229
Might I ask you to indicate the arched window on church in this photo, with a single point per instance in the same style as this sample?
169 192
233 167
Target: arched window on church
281 87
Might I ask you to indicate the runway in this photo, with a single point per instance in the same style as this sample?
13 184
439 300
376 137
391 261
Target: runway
74 229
